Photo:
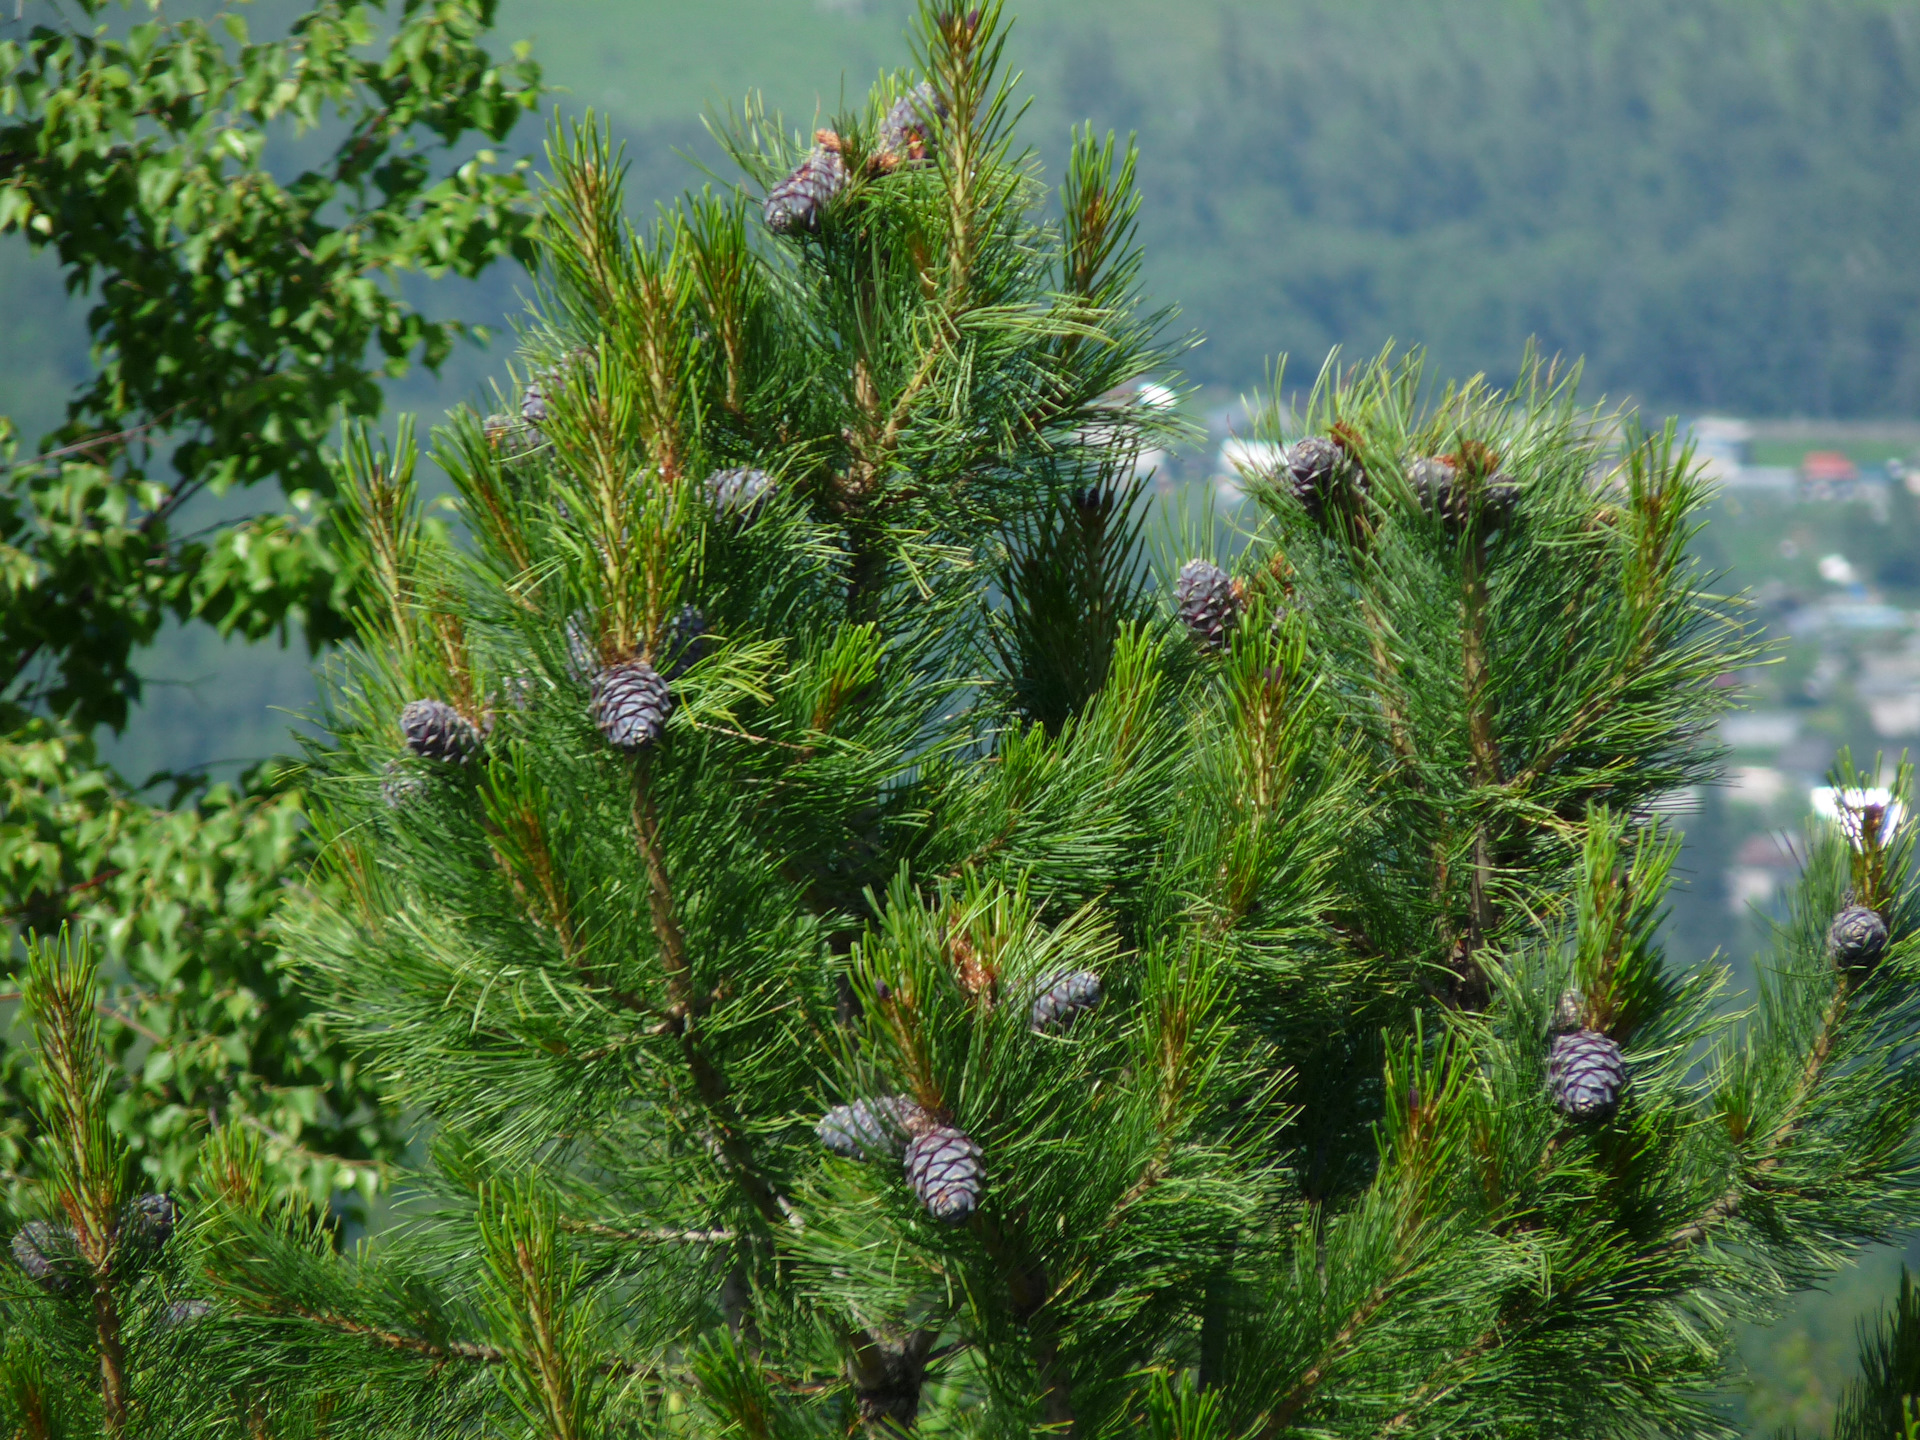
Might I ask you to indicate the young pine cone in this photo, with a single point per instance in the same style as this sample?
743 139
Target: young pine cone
185 1312
1857 938
1064 996
738 492
1317 466
879 1126
1586 1074
49 1254
1207 603
583 651
797 201
400 787
434 730
533 403
943 1166
148 1220
630 704
1436 484
906 133
686 641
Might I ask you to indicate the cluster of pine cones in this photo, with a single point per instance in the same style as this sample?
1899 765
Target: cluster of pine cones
907 135
1586 1072
629 700
1324 475
943 1165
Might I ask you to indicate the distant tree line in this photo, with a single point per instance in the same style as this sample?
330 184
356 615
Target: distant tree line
1712 202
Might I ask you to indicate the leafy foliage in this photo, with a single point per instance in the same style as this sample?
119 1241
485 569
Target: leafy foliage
240 312
201 1013
237 315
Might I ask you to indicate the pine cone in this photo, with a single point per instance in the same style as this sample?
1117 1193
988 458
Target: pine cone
400 787
1857 938
1064 996
516 694
906 133
943 1166
1208 606
1318 466
1093 503
1501 497
434 730
1435 481
797 201
184 1312
583 654
148 1220
738 492
50 1255
1432 482
1586 1074
533 403
869 1127
630 704
686 641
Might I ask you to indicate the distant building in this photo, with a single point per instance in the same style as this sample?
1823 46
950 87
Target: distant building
1828 475
1722 447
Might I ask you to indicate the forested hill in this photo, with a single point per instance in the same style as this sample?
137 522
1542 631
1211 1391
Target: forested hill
1717 201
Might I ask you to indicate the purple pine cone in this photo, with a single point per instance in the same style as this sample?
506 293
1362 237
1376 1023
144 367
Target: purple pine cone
1316 467
1857 938
907 133
1204 596
1431 480
1436 484
434 730
879 1126
630 704
1064 996
400 787
739 491
533 403
583 652
686 642
185 1312
50 1255
1586 1073
148 1221
797 201
944 1168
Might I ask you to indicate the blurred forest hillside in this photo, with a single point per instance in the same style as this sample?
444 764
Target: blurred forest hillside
1711 201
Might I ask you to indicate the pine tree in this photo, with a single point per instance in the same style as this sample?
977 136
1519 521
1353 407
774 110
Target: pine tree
971 997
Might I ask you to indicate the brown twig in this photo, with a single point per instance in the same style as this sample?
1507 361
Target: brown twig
687 1005
112 872
1728 1204
94 442
1431 1390
408 1344
658 1233
113 1361
1296 1399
